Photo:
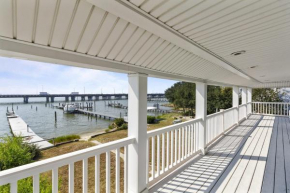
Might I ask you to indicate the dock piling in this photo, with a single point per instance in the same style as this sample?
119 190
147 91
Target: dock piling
55 116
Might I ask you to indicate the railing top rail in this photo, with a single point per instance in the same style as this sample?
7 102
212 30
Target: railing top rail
243 105
31 169
221 112
171 127
226 110
273 102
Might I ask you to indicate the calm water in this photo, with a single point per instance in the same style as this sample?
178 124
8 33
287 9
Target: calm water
42 121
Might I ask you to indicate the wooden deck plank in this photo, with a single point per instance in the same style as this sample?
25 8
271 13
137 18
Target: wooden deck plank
287 152
257 180
269 174
280 184
248 173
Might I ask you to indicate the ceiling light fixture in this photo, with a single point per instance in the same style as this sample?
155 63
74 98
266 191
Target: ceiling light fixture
238 53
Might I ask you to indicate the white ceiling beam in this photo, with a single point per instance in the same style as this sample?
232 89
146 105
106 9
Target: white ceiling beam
29 51
131 13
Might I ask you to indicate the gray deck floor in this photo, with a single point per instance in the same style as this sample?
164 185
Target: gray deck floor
253 157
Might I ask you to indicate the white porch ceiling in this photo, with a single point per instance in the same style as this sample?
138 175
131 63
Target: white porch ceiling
197 47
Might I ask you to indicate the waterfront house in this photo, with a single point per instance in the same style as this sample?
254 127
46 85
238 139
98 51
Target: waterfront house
241 44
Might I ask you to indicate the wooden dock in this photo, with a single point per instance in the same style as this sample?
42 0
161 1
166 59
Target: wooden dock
97 115
19 128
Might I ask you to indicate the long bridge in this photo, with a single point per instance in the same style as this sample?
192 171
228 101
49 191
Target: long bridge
73 97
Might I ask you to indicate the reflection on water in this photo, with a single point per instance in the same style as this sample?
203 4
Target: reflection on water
42 120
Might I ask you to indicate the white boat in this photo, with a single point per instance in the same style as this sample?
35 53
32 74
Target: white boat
69 108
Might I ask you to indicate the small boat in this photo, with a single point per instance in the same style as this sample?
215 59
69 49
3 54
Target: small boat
69 108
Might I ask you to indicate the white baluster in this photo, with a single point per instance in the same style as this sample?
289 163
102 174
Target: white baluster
55 180
85 175
13 187
147 161
175 148
153 157
97 173
108 172
163 153
126 169
117 170
71 177
158 155
36 183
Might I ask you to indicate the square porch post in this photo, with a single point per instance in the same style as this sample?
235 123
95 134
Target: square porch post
137 128
244 95
250 100
236 102
201 112
244 99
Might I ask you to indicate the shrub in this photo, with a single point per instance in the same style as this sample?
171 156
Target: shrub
111 127
65 138
119 122
13 152
124 126
150 119
107 130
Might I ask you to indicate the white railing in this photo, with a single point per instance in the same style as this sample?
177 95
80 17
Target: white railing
169 146
249 108
242 112
214 126
217 123
271 108
12 176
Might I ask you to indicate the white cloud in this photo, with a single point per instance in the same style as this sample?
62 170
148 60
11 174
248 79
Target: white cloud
23 76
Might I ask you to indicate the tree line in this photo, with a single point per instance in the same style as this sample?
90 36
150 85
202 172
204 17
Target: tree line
182 96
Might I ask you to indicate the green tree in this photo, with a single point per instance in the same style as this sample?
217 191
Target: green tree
267 95
182 95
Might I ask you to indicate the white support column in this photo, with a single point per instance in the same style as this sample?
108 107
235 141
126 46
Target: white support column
137 127
244 99
250 100
244 95
201 112
236 102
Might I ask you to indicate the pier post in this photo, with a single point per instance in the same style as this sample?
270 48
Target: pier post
73 98
66 99
52 99
25 99
47 99
83 98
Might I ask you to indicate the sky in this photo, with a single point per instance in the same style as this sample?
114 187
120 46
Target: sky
29 77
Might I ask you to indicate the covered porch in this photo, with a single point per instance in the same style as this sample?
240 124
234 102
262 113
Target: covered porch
238 44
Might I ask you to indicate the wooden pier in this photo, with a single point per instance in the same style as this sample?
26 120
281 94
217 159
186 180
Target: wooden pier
21 129
97 115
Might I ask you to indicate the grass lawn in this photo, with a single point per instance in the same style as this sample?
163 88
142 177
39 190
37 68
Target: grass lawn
167 120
